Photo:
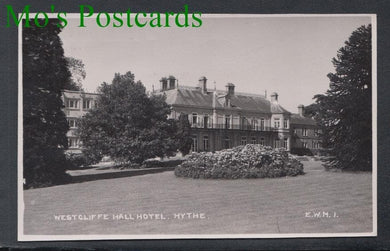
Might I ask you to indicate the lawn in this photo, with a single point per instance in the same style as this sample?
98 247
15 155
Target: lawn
247 206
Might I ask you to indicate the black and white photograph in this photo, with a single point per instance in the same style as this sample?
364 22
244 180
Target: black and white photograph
197 126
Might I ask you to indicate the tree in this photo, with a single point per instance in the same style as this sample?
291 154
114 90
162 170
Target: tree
78 74
45 75
344 111
183 134
127 125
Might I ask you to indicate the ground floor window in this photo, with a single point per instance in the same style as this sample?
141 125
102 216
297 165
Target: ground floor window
285 143
254 140
206 146
304 144
262 141
226 142
194 146
243 141
276 143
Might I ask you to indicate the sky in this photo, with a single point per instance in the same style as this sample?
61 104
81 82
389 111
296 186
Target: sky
289 55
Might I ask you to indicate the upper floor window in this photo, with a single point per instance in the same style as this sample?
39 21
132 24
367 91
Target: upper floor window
285 123
227 121
87 104
262 124
277 123
304 132
194 119
72 122
206 121
255 124
72 103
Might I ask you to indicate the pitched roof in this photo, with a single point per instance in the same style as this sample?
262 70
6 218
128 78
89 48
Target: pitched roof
190 96
300 120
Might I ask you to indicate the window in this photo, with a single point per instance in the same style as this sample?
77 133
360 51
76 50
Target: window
276 143
194 146
72 122
255 124
304 132
254 140
226 142
304 144
277 123
206 146
295 131
262 124
206 121
316 132
285 123
262 141
244 123
243 141
227 121
73 143
72 103
285 143
87 104
194 119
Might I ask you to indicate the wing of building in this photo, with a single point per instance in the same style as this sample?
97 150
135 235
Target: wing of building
223 119
219 119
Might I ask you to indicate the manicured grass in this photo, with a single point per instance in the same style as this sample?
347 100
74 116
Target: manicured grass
247 206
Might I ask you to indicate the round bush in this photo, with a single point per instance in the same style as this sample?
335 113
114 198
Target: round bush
249 161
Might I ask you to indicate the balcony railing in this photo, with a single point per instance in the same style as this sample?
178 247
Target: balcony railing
235 127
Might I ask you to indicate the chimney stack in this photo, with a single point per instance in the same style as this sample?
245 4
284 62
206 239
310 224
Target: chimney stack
172 82
203 84
274 97
301 110
163 84
230 89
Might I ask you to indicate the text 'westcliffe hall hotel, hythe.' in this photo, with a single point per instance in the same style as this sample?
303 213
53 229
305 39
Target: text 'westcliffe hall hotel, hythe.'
219 119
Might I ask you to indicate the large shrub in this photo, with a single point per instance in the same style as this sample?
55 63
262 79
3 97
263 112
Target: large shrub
249 161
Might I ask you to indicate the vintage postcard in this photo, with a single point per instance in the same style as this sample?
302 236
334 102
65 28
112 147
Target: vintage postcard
159 126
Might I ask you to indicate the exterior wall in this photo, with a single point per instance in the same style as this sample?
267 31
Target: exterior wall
306 136
77 104
241 127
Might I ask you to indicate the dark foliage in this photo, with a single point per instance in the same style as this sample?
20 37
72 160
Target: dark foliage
184 134
128 125
344 111
301 151
45 74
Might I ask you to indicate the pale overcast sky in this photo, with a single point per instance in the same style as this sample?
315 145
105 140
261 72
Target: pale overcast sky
287 55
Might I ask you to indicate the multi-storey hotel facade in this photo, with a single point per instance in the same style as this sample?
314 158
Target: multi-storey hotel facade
218 119
223 119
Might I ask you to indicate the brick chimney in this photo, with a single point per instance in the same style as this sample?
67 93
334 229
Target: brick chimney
274 97
301 110
203 84
163 84
172 82
230 89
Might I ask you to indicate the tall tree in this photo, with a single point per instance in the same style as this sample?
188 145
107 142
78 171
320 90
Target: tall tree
127 124
45 74
344 111
78 74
